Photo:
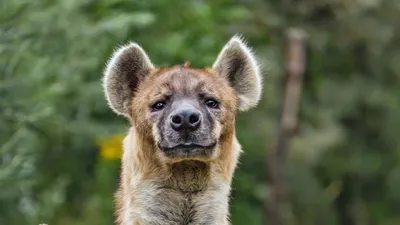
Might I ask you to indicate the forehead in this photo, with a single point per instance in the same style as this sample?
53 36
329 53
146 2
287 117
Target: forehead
185 81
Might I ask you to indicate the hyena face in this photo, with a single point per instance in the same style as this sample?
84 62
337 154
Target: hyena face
184 111
187 110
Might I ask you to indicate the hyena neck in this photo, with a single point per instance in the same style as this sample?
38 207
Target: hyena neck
188 176
188 192
192 194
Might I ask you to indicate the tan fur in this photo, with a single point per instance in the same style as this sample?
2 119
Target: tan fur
160 190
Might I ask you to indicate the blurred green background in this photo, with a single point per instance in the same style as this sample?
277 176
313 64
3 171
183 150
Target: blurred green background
343 167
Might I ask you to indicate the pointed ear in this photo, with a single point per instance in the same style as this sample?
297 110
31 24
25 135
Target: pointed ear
126 68
237 63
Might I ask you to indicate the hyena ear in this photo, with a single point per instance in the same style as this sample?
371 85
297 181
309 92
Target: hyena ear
237 62
126 68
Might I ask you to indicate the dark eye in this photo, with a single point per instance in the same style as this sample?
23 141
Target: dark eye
158 106
212 103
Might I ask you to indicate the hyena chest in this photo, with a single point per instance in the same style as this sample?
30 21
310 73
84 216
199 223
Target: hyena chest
171 208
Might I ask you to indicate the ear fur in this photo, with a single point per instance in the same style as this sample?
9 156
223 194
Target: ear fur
125 69
237 62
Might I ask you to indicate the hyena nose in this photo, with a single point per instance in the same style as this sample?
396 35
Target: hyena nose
186 119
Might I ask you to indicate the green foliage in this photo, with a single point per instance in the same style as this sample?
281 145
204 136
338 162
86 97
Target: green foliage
343 167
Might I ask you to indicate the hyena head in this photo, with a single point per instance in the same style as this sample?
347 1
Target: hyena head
184 112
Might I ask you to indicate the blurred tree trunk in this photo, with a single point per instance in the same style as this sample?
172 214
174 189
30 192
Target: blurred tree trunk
295 61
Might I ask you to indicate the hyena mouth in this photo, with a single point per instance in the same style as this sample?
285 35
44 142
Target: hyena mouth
188 151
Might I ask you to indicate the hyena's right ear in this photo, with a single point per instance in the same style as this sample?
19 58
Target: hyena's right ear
126 68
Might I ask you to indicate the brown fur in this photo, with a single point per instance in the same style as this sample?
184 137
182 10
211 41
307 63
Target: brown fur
160 190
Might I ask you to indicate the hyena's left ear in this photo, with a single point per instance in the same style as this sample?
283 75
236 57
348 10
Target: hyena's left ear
237 62
125 70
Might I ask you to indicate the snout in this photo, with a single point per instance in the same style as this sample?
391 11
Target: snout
187 133
185 119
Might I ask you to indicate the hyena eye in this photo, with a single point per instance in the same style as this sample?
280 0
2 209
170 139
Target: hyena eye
212 103
158 106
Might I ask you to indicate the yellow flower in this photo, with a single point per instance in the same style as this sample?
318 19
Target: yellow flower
111 147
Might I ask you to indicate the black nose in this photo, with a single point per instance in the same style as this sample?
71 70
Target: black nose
185 119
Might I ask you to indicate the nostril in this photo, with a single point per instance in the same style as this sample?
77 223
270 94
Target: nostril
187 120
177 119
194 118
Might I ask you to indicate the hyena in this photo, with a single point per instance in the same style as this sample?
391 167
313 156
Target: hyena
181 150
